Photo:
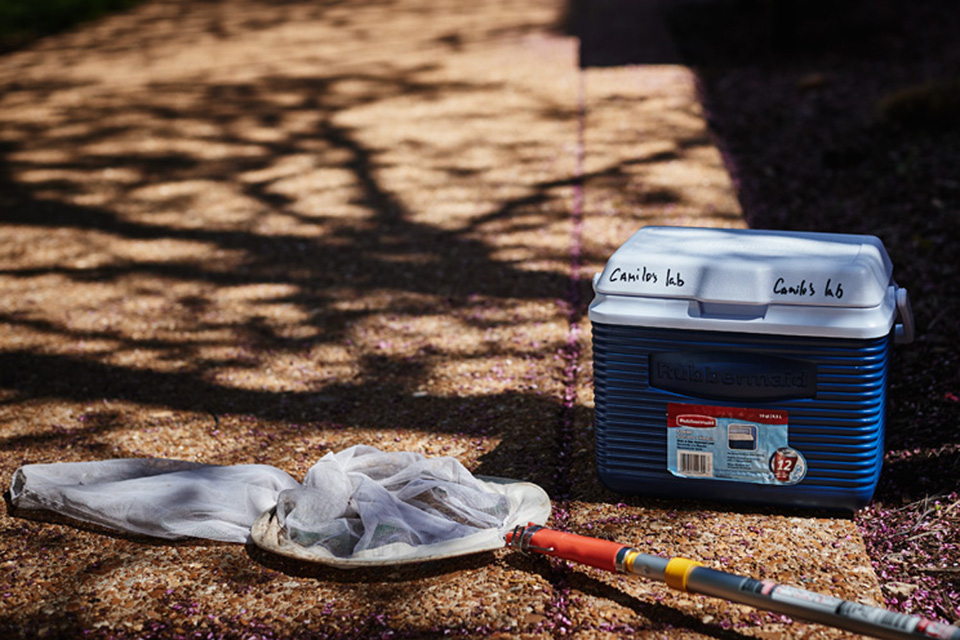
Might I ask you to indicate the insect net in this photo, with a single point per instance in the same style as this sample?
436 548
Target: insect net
360 504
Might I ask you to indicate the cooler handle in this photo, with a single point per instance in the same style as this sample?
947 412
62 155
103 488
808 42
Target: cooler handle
904 331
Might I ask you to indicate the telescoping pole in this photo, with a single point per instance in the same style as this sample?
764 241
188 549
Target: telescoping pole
687 575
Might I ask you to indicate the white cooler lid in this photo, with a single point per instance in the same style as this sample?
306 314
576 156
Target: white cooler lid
746 280
750 267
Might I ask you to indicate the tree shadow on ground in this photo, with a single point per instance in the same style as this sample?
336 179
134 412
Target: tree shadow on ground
107 202
125 171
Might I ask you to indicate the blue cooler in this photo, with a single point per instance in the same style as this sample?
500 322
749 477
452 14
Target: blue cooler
745 365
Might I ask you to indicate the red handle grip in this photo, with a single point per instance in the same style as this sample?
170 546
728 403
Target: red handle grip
601 554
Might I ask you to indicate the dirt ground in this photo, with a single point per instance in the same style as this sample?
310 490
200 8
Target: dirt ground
251 231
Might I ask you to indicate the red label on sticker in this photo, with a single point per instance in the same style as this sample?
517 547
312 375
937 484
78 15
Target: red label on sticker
704 416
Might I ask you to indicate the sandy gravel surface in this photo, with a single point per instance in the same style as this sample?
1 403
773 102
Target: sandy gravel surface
259 232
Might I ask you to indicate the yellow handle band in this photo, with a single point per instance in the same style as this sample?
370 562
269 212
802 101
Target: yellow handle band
677 572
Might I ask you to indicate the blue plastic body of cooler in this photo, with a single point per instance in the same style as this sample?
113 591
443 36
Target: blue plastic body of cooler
837 427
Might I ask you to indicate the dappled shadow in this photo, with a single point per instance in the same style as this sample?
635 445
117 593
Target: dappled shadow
320 257
172 241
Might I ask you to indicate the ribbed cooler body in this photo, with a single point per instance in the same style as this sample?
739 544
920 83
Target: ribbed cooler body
839 431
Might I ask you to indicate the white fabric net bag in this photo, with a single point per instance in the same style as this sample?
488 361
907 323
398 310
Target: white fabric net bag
359 507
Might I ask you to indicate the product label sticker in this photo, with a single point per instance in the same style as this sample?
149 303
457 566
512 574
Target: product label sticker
732 443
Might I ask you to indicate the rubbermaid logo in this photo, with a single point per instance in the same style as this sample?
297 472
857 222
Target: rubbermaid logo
726 375
694 420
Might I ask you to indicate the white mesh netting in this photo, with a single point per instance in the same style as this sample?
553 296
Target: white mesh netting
362 499
354 503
